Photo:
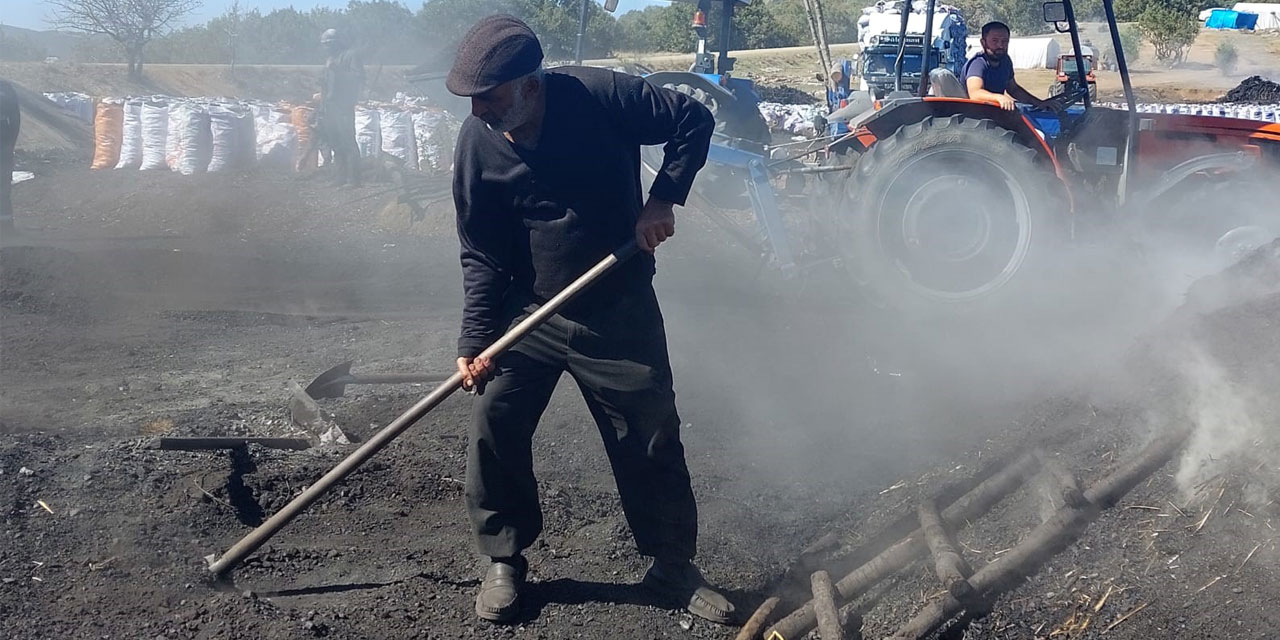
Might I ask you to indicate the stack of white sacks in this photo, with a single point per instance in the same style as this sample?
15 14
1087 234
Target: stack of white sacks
197 135
795 119
1260 112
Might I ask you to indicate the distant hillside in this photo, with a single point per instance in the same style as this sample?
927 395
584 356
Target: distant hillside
53 43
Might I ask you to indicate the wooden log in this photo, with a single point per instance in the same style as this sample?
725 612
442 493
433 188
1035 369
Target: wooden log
820 26
1068 483
950 568
1048 538
824 607
811 19
968 507
751 630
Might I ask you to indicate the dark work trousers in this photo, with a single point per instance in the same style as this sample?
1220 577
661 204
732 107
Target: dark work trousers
339 123
618 357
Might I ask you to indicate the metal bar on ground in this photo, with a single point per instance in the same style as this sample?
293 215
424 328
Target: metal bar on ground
374 444
204 444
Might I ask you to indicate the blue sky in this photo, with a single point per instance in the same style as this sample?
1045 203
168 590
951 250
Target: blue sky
30 14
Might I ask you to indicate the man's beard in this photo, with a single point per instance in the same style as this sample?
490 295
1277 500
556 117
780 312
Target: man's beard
519 114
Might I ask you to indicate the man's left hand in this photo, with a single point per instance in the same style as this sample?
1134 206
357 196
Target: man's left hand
657 222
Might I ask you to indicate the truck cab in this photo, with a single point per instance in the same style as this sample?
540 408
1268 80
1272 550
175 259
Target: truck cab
881 37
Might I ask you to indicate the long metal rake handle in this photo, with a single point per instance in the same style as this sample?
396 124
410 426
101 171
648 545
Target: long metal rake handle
266 530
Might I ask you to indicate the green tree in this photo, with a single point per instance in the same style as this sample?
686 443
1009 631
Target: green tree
555 21
657 28
1170 29
132 24
1131 42
842 20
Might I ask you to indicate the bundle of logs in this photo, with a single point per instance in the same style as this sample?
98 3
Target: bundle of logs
832 607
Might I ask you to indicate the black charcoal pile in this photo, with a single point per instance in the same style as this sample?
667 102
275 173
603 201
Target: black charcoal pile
1254 90
784 94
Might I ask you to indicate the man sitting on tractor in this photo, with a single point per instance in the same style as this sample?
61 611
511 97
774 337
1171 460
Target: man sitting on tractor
989 75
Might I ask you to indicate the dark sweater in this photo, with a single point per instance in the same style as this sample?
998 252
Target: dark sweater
531 221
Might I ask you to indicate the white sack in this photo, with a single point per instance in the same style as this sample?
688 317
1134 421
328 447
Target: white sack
368 132
131 139
274 137
226 127
396 127
155 134
190 139
435 132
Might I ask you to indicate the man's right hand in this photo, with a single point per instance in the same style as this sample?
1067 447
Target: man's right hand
475 372
1006 101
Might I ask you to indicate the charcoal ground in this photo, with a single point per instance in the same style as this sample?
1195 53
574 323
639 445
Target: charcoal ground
136 305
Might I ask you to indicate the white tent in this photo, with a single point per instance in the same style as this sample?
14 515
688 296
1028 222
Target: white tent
1268 14
1026 53
1034 53
1204 15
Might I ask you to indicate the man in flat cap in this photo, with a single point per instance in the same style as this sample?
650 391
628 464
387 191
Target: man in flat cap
546 184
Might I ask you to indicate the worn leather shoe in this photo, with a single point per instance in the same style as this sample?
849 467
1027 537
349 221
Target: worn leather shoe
682 582
499 597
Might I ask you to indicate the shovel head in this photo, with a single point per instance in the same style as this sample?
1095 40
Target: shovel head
331 383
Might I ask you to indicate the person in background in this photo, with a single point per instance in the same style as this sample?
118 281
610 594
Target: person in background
340 90
318 146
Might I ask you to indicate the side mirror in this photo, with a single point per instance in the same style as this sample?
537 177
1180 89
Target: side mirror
1055 12
610 5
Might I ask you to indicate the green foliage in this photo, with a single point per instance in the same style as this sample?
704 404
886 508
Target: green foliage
1131 41
444 22
1226 57
1024 18
1170 27
656 28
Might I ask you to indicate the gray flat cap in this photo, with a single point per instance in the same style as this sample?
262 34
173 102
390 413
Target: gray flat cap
498 49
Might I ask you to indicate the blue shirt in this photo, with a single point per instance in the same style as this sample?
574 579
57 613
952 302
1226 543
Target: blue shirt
995 78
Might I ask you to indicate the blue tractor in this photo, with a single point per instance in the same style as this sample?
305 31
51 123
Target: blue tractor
733 101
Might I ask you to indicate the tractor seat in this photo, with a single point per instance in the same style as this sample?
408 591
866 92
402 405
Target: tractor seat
944 84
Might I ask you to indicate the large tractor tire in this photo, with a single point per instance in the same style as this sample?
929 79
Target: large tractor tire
733 119
948 214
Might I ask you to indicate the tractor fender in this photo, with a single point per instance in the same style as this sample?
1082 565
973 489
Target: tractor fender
898 113
1234 161
660 78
